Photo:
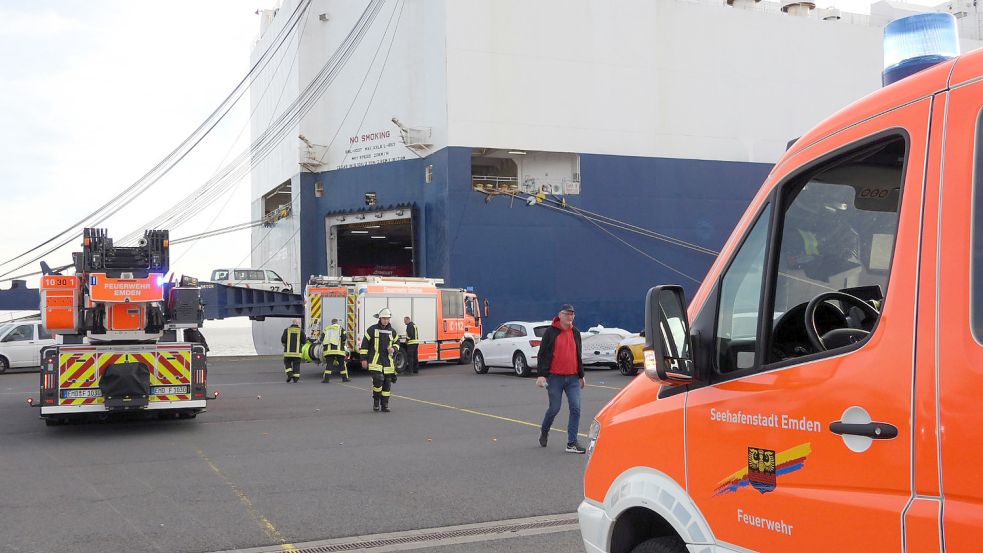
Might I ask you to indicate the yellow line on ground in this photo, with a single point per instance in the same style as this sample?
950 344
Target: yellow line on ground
603 386
264 523
465 410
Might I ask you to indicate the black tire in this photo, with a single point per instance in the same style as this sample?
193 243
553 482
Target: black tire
4 365
478 362
665 544
626 362
401 361
467 351
520 365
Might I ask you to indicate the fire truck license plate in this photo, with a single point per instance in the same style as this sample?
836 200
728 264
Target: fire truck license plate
168 390
81 393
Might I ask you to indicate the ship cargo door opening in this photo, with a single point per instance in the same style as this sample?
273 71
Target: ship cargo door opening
371 243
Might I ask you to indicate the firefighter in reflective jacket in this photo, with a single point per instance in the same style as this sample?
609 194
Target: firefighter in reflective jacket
293 340
378 353
412 344
334 352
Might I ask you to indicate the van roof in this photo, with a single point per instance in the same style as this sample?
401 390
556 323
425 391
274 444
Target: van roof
956 72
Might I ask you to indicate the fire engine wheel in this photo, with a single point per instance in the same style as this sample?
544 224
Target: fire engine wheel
467 350
626 362
401 361
4 364
479 363
519 365
665 544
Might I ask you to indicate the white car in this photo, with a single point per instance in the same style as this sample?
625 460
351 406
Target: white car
21 343
599 345
515 344
262 279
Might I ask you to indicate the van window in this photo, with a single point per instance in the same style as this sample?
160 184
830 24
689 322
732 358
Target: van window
20 333
220 275
43 333
740 298
273 277
976 293
835 232
249 274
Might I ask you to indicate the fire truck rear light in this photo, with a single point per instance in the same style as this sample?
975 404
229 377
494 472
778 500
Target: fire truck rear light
214 395
30 401
199 356
49 401
535 343
87 242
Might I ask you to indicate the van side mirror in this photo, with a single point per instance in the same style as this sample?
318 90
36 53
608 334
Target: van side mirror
489 335
668 351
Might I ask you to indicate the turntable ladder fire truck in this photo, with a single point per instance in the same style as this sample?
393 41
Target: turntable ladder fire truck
119 325
448 320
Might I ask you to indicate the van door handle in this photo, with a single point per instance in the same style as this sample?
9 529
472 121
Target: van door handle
872 430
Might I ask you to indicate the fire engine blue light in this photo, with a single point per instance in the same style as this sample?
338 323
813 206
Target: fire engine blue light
160 280
918 42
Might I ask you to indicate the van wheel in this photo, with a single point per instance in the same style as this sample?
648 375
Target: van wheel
519 365
4 365
665 544
479 363
626 362
467 350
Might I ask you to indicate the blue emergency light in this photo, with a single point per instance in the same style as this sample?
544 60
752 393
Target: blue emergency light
918 42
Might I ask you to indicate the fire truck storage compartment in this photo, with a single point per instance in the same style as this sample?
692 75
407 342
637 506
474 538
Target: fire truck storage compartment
379 247
423 311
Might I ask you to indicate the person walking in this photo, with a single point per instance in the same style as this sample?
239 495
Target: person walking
293 340
412 345
378 353
333 348
561 370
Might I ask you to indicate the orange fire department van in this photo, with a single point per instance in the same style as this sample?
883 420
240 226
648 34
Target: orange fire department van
820 392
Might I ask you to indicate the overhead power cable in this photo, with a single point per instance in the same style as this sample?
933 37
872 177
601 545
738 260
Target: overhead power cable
151 177
382 70
243 164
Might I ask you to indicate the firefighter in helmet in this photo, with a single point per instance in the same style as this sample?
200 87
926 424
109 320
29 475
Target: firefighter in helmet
293 340
334 352
378 353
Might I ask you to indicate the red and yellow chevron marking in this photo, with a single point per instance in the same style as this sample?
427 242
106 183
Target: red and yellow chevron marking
173 369
83 370
350 330
315 300
76 370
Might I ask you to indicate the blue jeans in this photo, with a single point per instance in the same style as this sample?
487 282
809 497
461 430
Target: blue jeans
556 384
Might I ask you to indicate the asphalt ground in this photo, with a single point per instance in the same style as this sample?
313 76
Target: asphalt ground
272 464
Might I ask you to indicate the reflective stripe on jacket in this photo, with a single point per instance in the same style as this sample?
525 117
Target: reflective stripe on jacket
334 337
292 340
375 348
412 334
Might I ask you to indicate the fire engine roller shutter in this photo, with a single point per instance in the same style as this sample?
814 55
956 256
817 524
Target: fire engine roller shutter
375 246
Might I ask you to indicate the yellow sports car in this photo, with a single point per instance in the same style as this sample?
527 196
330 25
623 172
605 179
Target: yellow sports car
629 354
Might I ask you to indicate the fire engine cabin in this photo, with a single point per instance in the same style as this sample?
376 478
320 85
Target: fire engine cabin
448 320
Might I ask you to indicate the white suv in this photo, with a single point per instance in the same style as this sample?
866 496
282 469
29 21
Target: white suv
21 343
515 344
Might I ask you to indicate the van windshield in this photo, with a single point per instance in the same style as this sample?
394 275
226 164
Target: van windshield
220 275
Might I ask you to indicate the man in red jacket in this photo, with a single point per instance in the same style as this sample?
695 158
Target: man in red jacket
561 369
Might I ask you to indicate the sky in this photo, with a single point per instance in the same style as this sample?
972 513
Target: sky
95 93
